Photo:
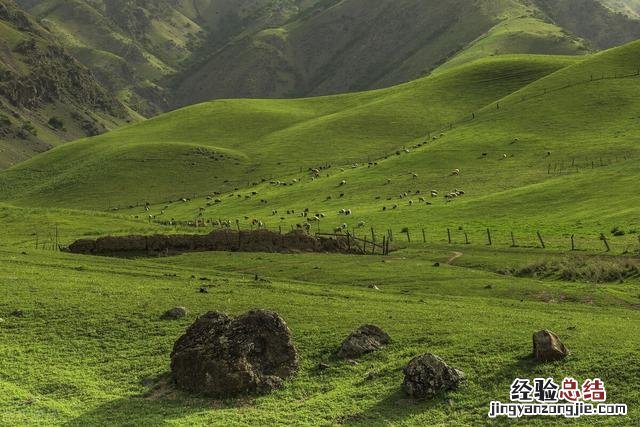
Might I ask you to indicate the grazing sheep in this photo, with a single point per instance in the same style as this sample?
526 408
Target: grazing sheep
347 212
343 183
421 199
395 206
434 193
388 181
414 175
410 202
361 224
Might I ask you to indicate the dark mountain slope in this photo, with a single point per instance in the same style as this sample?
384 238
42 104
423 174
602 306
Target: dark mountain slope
352 45
46 96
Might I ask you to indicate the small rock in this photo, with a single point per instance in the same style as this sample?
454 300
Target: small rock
488 287
204 290
547 347
374 287
174 314
365 339
428 375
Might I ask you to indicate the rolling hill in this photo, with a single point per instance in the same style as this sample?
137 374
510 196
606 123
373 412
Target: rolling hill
533 136
46 96
228 144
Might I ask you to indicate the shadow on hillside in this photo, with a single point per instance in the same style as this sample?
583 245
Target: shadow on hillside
395 408
160 404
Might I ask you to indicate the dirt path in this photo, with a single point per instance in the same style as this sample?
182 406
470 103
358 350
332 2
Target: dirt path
454 256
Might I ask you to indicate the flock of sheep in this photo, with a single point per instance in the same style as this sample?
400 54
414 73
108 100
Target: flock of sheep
317 173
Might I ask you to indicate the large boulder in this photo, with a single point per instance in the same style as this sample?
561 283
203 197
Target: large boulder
428 375
547 347
365 339
220 356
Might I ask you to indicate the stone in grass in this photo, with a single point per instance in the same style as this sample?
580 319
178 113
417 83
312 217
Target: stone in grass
547 347
174 314
427 376
365 339
221 357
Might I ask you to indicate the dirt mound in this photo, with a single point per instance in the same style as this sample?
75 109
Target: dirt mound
225 240
222 357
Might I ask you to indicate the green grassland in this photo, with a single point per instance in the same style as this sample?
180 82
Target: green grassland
91 350
552 129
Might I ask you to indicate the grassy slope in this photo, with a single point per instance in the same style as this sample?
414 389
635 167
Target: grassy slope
264 139
591 123
89 349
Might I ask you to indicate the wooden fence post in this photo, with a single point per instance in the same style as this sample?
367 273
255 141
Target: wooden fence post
408 236
424 236
449 235
373 236
489 237
513 240
541 240
573 242
605 241
466 238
